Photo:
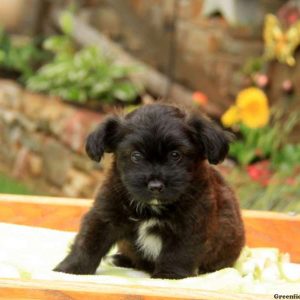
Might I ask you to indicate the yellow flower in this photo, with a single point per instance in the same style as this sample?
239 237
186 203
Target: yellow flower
231 116
252 105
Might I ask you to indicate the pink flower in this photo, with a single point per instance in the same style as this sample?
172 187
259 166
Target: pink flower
262 80
260 172
287 86
290 181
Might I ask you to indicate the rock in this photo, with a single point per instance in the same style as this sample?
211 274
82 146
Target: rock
10 94
14 134
56 161
76 127
26 123
35 164
78 184
9 141
83 163
33 141
21 163
12 117
8 116
41 138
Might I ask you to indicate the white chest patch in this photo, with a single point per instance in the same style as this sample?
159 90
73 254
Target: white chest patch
149 243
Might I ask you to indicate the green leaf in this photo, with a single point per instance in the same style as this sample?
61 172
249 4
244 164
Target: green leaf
2 56
118 72
5 41
125 91
101 87
66 22
58 44
82 76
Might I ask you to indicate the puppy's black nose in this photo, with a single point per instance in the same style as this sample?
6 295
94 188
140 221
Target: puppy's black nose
155 186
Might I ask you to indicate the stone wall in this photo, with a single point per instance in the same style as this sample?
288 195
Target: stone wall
42 143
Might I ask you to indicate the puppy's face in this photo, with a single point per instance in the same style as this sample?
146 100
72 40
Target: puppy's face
157 149
156 157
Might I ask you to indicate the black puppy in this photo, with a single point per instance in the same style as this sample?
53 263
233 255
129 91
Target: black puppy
170 212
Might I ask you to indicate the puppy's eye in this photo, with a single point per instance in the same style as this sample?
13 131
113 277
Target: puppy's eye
136 156
175 155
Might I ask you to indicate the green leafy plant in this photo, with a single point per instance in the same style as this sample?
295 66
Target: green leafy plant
21 57
266 142
260 142
11 186
252 65
281 193
82 75
287 157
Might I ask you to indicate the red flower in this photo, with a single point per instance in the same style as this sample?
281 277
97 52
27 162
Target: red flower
253 172
200 98
260 172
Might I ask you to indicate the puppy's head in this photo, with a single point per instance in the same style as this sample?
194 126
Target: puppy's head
157 149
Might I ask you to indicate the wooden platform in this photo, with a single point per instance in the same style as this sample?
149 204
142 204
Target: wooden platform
263 229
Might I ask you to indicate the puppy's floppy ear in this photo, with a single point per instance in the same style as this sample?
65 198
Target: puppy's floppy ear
104 139
212 139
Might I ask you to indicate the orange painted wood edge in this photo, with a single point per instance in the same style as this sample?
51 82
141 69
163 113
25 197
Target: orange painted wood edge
49 212
49 289
282 232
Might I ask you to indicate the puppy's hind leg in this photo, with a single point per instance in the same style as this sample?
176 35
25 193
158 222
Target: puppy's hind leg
93 241
128 257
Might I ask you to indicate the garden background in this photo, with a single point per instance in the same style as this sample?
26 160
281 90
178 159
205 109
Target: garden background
64 65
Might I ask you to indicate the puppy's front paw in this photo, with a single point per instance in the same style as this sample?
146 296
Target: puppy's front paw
73 265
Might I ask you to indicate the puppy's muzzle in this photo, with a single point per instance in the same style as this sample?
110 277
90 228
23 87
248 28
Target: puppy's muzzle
156 186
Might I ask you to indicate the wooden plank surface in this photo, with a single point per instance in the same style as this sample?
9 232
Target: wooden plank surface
65 290
272 229
263 229
49 212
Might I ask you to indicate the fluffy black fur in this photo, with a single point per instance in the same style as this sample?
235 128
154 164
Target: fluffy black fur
161 177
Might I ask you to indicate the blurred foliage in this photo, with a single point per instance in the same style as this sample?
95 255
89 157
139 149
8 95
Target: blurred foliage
259 142
253 65
269 141
85 75
282 192
82 75
11 186
22 58
287 157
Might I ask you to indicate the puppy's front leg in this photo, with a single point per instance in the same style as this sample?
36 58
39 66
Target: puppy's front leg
175 262
93 241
